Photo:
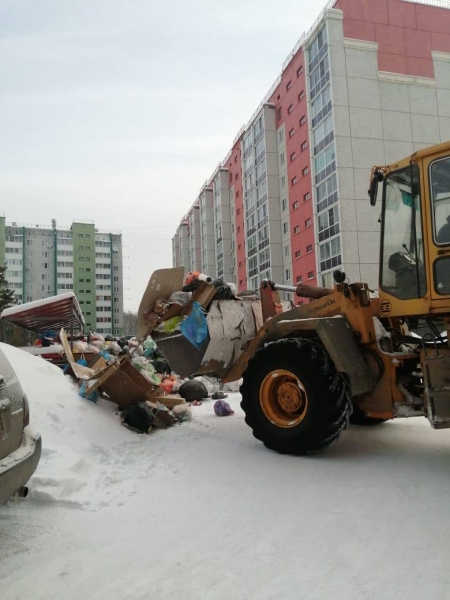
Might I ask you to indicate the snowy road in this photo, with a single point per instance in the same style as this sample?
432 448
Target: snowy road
204 511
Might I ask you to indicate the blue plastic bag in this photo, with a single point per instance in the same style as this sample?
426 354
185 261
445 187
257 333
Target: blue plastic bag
195 327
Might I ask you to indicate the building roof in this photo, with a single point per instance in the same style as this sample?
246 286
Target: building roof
49 313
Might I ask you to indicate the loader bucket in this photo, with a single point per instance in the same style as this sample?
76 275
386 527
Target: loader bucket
231 325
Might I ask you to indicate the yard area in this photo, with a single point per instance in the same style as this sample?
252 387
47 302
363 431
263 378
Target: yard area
203 511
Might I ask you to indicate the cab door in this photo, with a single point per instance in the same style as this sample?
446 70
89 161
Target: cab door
437 172
403 289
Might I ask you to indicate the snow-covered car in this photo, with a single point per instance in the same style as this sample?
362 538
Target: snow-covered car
20 444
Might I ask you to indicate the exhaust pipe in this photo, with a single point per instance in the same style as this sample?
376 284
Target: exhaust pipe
22 492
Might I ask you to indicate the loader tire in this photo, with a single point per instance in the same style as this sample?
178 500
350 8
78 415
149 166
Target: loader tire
294 399
358 417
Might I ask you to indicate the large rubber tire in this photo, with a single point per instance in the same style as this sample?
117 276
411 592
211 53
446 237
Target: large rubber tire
322 417
358 417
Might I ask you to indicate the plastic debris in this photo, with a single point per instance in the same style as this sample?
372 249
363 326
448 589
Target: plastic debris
222 408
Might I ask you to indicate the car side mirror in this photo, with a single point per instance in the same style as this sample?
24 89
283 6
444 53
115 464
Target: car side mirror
377 177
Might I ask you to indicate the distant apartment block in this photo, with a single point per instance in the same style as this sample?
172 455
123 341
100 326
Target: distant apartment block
369 83
46 261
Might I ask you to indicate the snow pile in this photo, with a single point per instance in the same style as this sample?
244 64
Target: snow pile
86 450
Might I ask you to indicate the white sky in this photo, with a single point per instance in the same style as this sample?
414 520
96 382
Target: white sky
117 111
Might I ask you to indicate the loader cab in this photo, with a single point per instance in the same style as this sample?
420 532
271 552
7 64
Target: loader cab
415 234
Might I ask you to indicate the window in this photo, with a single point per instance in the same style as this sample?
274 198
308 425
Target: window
297 229
285 227
282 158
301 95
286 251
295 205
288 274
280 136
80 236
81 248
283 181
236 176
302 120
305 171
283 204
235 159
330 254
309 249
294 180
307 222
279 113
297 254
306 197
299 70
288 85
290 108
325 164
311 275
440 198
402 268
292 157
304 146
299 279
291 133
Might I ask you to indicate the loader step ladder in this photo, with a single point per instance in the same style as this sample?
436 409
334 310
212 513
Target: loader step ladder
436 372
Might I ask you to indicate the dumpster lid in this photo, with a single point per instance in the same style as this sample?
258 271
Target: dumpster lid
49 313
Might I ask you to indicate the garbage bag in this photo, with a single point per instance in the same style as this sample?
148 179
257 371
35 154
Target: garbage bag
193 390
182 412
195 327
93 396
139 416
222 408
180 298
170 325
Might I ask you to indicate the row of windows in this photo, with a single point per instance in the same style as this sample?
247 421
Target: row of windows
299 278
308 223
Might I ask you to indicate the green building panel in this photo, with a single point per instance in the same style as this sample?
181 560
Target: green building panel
84 270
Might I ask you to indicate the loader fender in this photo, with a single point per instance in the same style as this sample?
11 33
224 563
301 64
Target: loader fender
336 336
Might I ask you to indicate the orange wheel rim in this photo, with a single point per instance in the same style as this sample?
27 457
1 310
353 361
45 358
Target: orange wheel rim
283 398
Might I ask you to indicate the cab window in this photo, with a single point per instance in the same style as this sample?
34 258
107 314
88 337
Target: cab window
440 198
402 262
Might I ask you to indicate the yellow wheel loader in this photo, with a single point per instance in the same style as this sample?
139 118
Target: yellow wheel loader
348 354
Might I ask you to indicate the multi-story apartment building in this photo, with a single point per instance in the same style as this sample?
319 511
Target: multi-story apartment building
369 83
47 261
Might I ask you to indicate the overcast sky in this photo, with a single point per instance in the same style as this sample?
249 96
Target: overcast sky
117 111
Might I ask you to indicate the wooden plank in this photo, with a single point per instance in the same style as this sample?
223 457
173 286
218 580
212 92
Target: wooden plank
66 345
169 401
204 295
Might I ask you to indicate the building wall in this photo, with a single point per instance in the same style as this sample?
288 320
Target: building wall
382 116
44 262
2 240
368 84
208 243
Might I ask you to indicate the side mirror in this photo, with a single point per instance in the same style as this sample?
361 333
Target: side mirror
377 177
339 276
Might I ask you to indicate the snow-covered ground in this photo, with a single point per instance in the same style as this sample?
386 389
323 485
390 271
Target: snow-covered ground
203 511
